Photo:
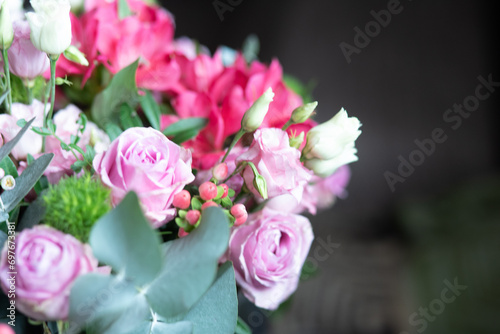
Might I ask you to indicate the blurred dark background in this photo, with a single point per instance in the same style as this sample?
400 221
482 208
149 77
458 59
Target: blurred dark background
391 252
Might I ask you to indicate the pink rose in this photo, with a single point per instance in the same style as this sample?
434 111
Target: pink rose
320 193
268 253
145 161
30 143
66 125
146 35
47 263
25 60
277 162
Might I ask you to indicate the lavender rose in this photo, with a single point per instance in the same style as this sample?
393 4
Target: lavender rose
268 253
145 161
277 162
47 262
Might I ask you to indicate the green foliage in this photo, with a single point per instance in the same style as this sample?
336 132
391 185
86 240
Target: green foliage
151 109
20 93
304 90
122 89
26 181
185 129
75 204
169 288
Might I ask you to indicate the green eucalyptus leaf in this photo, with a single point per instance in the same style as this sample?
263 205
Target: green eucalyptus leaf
3 238
26 181
8 146
217 311
122 89
8 166
190 265
242 327
151 110
125 240
33 215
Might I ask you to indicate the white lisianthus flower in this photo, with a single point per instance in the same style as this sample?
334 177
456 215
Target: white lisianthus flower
6 29
331 144
255 115
50 25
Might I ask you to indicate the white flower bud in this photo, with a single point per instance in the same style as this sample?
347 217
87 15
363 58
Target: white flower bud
6 28
302 113
331 144
254 116
325 168
50 25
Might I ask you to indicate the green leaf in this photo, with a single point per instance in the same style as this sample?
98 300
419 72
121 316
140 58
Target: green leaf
242 327
29 159
4 96
226 202
82 121
77 148
190 262
65 146
26 181
78 165
122 89
113 131
123 9
33 214
22 122
220 192
129 117
51 126
41 131
185 136
188 127
151 110
230 192
251 47
195 203
217 311
115 239
8 166
74 140
8 146
305 91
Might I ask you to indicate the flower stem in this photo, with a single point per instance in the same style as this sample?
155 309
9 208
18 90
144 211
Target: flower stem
237 170
237 137
53 60
8 101
29 91
287 124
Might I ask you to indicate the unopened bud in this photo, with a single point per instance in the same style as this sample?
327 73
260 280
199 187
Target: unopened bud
2 173
73 54
220 171
302 113
253 117
260 184
6 28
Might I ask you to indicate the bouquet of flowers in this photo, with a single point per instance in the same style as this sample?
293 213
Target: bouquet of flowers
144 180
